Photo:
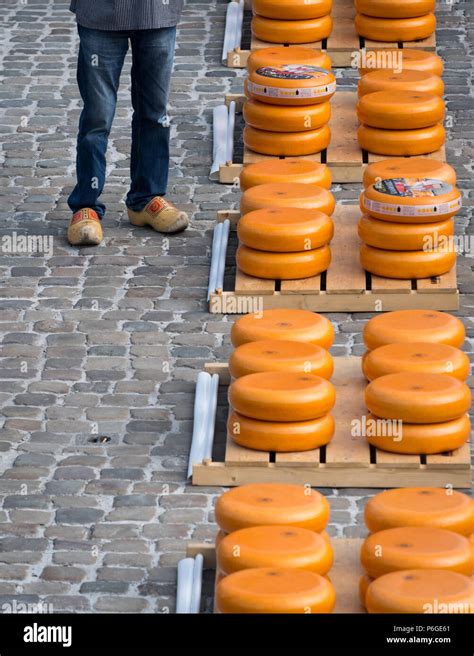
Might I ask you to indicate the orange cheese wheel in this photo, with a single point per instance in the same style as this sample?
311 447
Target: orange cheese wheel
391 9
275 546
287 194
416 357
409 237
300 118
275 591
282 396
287 144
277 56
278 504
403 110
280 355
412 167
421 506
281 437
418 398
418 591
407 265
283 266
284 230
291 84
292 9
416 547
291 325
416 439
391 82
401 143
413 326
364 583
401 59
220 535
284 31
410 200
395 29
302 171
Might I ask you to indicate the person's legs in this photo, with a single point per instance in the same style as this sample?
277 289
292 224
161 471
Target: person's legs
153 53
101 57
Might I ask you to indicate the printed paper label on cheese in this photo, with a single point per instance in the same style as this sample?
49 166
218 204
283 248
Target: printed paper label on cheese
292 72
413 187
281 92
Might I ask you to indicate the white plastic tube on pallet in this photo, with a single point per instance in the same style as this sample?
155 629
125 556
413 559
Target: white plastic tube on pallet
233 27
188 597
218 258
220 126
205 406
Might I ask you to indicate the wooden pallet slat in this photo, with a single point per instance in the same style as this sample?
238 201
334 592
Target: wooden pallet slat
345 274
346 461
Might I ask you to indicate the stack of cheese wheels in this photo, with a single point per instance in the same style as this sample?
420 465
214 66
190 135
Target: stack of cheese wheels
282 357
287 109
291 21
419 551
285 231
407 226
395 20
401 104
417 373
273 554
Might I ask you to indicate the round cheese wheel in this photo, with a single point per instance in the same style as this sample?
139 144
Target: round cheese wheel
421 506
401 59
282 396
285 230
281 355
278 504
409 237
275 591
292 9
395 29
303 196
275 546
407 265
281 437
418 398
413 326
418 591
391 82
416 547
416 439
283 266
403 110
291 84
391 9
364 583
416 357
284 31
277 56
287 144
410 200
413 167
291 325
401 143
300 118
302 171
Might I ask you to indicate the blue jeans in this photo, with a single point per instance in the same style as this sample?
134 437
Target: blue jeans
101 58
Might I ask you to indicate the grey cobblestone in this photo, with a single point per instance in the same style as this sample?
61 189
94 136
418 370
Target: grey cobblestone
112 338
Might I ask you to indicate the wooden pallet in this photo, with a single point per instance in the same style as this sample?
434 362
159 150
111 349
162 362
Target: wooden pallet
345 287
344 156
348 461
341 46
344 574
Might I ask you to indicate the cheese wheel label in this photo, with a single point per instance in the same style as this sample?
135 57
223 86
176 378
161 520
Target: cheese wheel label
413 188
292 72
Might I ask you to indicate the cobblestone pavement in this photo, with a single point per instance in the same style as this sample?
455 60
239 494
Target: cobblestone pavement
108 341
